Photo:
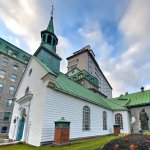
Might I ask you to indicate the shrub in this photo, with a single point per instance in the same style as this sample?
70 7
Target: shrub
146 133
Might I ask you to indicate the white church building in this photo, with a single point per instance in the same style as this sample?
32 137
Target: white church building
46 95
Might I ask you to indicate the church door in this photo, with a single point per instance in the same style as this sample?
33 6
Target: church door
20 129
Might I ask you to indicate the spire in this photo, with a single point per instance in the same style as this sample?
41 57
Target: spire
49 39
50 27
46 53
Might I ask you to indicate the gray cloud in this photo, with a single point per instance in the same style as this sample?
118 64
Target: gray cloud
21 18
126 71
131 68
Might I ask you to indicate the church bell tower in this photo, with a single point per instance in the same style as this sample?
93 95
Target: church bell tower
46 53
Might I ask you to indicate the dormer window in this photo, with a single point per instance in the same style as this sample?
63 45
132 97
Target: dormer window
26 60
9 52
14 55
16 66
44 37
80 76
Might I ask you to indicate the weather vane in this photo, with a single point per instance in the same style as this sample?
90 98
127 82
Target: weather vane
52 11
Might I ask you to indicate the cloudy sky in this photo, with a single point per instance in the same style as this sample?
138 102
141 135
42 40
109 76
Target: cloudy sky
117 30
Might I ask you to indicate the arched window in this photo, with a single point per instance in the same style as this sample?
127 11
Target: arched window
44 38
118 120
54 42
86 118
49 39
104 120
23 113
27 91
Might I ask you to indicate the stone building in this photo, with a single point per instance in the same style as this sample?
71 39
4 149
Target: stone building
84 59
13 62
135 102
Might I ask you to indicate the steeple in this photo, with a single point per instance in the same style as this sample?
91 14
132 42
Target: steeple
49 39
46 53
50 26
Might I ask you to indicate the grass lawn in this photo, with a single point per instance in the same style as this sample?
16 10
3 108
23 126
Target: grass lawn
89 144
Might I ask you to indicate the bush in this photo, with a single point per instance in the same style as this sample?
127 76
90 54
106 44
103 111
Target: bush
146 133
124 134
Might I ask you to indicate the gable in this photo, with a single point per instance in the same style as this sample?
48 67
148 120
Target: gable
38 71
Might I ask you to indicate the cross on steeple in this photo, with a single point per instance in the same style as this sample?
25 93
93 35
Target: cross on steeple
52 11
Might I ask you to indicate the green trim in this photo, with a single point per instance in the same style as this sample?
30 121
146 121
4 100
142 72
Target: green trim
85 75
93 58
46 47
44 66
62 120
14 58
22 56
50 27
116 126
134 99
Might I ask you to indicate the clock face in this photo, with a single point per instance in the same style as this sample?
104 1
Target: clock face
51 59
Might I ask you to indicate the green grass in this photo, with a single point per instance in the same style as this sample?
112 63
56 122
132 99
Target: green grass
89 144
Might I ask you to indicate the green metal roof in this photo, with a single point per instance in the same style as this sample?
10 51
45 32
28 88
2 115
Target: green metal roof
62 120
48 47
17 53
86 75
62 83
134 99
50 27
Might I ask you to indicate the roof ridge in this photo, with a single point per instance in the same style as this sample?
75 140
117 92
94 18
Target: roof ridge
15 46
148 90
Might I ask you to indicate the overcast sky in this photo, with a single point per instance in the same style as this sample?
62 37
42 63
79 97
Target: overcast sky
118 31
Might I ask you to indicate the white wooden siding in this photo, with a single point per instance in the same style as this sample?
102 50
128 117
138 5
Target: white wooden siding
59 105
37 88
125 119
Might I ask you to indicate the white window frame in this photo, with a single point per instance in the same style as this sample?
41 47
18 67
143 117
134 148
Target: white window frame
86 119
13 77
2 73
